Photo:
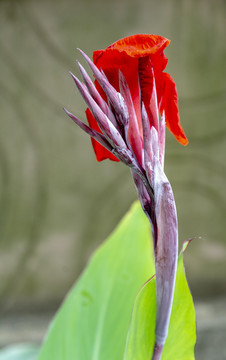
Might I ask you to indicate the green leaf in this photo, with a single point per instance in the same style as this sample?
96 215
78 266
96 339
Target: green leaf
93 321
141 334
182 329
19 352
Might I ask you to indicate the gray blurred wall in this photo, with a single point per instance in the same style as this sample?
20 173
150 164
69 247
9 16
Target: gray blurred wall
56 202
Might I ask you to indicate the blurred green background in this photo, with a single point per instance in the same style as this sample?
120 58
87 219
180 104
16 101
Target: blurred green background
56 202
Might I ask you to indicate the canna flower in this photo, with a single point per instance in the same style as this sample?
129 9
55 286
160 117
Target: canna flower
141 59
129 104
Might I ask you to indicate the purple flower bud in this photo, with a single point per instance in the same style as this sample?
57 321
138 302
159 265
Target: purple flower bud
114 97
112 134
96 96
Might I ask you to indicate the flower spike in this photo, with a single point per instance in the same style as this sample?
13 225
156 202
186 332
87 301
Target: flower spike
124 103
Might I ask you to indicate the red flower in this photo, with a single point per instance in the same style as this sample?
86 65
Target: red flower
141 60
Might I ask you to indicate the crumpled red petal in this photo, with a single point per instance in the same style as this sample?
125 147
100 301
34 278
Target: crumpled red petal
141 45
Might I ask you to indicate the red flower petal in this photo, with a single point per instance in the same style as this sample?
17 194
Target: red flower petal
169 103
100 151
111 61
141 45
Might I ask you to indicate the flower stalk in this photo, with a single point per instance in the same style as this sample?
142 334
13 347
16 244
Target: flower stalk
129 105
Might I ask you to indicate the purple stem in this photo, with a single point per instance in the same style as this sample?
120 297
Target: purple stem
157 352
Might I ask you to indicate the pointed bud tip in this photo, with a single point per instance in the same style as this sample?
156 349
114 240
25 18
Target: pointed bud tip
72 75
67 112
82 70
84 55
121 75
81 52
78 83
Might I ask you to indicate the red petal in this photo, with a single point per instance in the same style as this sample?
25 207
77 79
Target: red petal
169 103
100 151
111 61
141 45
